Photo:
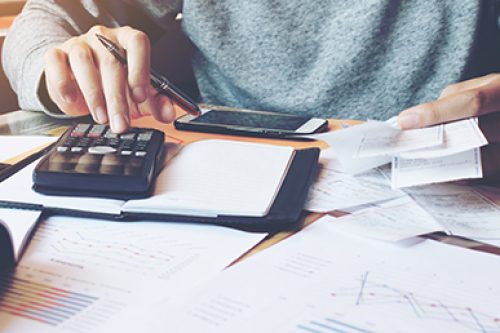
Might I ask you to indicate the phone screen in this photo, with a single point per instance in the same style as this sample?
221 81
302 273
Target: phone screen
253 120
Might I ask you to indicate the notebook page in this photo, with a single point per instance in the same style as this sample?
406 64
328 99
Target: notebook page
18 188
218 177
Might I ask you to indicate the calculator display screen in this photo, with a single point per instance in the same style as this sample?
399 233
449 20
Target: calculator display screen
252 120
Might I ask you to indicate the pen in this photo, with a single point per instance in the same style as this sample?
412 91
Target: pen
161 83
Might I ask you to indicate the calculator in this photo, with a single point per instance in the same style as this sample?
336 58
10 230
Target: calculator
91 160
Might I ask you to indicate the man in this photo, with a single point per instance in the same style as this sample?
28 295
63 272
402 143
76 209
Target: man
368 59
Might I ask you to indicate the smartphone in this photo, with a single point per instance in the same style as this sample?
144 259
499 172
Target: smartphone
251 123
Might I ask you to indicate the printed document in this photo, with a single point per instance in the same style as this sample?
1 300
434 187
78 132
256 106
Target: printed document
327 281
413 172
460 210
334 190
393 220
439 153
81 275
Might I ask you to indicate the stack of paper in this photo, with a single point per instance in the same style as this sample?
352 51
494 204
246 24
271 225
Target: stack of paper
326 281
349 182
421 156
80 275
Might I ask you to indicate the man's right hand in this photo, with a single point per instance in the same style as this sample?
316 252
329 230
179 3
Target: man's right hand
83 77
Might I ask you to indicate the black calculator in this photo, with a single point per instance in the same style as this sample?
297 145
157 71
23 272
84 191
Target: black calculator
91 160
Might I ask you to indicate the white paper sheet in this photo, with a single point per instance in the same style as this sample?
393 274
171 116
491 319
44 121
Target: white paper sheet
80 275
213 177
335 190
390 141
413 172
19 223
343 146
460 210
459 136
394 220
18 188
12 145
324 281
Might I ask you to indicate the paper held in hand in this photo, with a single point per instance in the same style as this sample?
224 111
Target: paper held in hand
421 156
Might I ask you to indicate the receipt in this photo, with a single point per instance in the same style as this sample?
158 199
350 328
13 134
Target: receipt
391 141
334 190
460 210
412 172
395 220
343 146
459 136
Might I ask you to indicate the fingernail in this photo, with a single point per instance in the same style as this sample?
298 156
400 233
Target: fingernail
100 115
139 94
167 113
119 123
408 121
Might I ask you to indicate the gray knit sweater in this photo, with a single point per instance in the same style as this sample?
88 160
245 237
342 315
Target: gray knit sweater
343 59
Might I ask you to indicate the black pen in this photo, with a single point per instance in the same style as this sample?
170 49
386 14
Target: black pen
161 83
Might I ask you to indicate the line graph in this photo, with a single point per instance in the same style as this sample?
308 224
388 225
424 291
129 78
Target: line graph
104 246
374 294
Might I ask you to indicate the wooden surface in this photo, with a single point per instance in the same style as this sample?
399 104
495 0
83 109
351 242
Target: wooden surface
184 137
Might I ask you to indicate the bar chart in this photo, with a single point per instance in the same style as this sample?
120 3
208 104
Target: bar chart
42 303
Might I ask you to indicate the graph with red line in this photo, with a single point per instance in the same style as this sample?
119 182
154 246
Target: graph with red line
370 293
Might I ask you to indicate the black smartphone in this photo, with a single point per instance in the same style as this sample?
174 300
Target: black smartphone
251 123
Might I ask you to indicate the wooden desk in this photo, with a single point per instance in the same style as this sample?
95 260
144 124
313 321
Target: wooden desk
11 7
184 137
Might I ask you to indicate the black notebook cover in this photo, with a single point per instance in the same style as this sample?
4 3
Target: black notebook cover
285 213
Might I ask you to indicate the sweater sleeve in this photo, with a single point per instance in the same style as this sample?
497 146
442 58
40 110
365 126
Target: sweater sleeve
44 24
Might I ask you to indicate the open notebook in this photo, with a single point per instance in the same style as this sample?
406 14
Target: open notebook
246 185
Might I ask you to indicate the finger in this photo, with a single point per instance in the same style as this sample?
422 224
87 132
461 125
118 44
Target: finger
469 103
114 84
88 78
61 87
469 84
137 45
133 109
159 106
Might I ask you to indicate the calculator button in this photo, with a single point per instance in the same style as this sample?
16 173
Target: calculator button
69 141
112 165
62 149
141 146
80 130
127 136
146 136
83 142
113 142
127 144
126 152
62 162
101 150
134 166
110 135
76 149
96 131
99 142
140 153
88 163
